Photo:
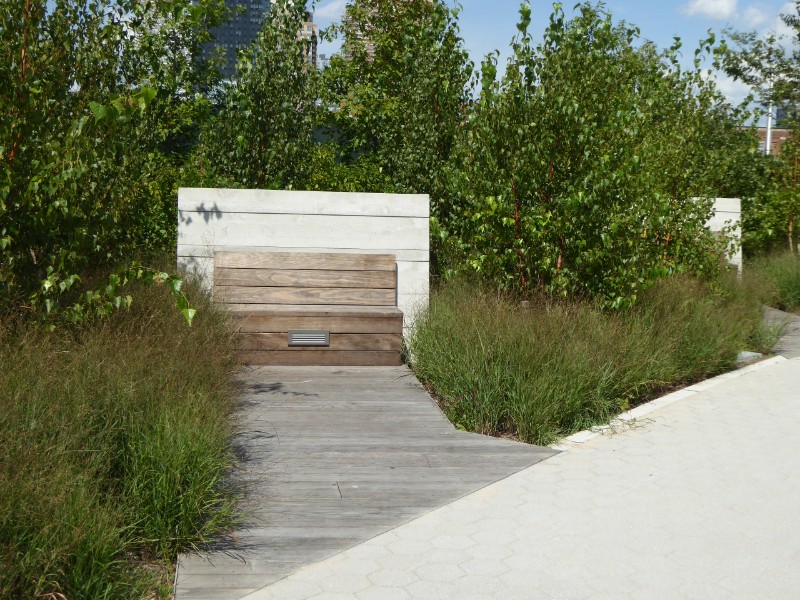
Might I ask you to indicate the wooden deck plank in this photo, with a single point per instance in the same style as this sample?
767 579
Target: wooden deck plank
314 310
306 356
309 435
306 260
348 315
338 341
302 295
305 278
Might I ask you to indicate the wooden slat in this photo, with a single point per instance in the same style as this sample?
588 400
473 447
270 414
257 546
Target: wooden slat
306 278
306 260
312 358
334 324
313 310
291 295
266 302
338 341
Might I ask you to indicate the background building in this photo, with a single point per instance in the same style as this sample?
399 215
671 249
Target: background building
243 27
240 31
310 33
779 136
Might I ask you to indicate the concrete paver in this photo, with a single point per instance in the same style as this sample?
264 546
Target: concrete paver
696 499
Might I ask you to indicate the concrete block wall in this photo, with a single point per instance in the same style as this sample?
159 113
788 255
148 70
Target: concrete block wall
299 221
728 211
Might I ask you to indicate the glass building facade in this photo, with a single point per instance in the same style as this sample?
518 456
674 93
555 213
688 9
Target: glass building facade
240 31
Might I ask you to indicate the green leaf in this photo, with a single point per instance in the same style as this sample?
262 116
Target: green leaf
98 110
175 284
188 314
145 96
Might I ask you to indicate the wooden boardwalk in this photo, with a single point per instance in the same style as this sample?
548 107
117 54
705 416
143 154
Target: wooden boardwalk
332 457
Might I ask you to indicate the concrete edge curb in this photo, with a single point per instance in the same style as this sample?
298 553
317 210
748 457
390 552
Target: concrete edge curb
576 440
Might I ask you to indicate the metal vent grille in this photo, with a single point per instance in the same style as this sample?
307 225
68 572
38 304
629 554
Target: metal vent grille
310 338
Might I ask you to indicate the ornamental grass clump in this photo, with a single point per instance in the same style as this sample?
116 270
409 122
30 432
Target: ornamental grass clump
544 370
780 277
115 444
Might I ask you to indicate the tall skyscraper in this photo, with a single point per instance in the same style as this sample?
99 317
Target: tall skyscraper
243 29
239 31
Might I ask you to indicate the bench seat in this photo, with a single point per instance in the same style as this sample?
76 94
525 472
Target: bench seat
270 296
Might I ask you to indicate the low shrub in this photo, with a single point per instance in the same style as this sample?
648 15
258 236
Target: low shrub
115 442
556 367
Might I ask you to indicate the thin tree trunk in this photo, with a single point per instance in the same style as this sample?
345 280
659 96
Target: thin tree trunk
26 17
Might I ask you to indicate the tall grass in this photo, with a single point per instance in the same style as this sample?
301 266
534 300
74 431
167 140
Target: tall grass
114 443
780 276
554 368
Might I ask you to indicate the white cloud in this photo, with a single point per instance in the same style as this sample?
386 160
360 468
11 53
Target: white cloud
734 91
774 26
715 9
755 16
330 11
782 28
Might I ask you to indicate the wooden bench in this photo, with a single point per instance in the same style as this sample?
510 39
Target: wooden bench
311 308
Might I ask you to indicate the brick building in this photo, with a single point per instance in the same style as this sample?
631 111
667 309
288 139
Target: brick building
779 136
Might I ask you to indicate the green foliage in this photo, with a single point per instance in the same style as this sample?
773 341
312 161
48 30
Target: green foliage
167 55
91 93
556 367
333 173
399 90
115 438
770 216
261 136
771 66
768 63
579 169
169 58
538 183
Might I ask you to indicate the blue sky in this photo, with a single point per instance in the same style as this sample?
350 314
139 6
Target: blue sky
487 25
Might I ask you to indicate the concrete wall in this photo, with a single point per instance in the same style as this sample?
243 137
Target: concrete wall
280 221
728 211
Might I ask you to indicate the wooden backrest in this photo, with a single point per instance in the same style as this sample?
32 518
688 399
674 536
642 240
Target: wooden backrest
300 278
